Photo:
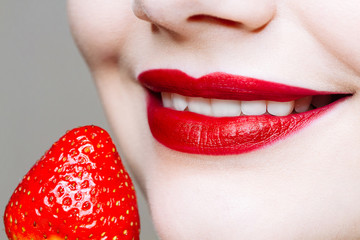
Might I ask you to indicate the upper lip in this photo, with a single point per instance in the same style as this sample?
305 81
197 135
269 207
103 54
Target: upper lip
222 86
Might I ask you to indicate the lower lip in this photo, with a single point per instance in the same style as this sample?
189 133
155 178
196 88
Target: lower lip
199 134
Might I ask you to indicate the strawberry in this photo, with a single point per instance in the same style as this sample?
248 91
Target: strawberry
78 190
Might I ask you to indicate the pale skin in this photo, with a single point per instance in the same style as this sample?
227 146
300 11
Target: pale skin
304 187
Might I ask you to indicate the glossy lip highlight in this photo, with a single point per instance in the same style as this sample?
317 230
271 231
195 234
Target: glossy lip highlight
199 134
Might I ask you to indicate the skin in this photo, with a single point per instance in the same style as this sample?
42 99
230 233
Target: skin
304 187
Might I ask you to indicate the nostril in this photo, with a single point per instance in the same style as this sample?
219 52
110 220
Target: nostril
249 15
214 20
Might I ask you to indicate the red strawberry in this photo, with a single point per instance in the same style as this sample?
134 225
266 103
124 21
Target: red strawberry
78 190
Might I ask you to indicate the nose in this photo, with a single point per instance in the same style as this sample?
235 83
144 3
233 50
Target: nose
180 16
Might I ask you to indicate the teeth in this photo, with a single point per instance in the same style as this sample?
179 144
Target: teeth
280 108
253 107
179 102
225 108
303 104
232 108
200 105
166 99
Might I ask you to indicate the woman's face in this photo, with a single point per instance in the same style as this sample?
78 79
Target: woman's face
290 173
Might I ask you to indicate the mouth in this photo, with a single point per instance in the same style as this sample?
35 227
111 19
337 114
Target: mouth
223 114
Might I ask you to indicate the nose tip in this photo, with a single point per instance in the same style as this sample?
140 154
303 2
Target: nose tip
180 15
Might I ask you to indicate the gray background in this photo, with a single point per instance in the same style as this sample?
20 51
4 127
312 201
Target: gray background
45 89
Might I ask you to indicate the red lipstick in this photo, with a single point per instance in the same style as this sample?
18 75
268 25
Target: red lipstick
221 86
195 133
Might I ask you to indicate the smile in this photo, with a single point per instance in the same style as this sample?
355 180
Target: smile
222 114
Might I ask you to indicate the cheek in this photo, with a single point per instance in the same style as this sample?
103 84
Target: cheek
99 27
336 25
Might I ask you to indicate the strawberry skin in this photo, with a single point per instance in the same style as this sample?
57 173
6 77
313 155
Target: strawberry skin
78 190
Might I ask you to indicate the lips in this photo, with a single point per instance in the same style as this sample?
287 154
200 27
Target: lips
195 133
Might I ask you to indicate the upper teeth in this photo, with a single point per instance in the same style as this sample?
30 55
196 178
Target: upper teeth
229 108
